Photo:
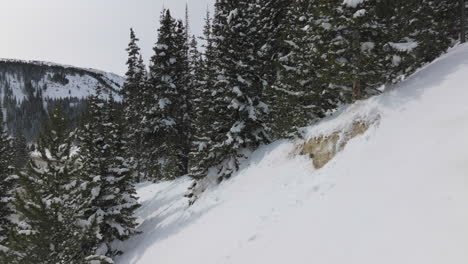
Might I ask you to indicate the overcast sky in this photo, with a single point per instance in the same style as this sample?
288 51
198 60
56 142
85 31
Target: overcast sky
86 33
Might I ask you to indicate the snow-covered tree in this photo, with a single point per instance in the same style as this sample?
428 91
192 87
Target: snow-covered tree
203 106
234 117
296 96
133 97
166 113
366 44
349 46
436 24
106 175
20 148
50 203
240 119
7 180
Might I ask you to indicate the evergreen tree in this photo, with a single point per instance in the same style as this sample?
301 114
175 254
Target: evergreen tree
166 113
435 27
233 119
349 46
133 92
240 112
296 96
237 89
7 180
204 107
49 203
107 176
364 45
20 148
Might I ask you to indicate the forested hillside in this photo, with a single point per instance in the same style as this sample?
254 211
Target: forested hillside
266 69
28 90
207 109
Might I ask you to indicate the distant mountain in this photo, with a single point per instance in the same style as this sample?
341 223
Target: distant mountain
29 89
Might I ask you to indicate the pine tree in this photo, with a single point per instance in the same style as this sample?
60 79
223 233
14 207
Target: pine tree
348 42
204 107
107 176
166 113
364 45
49 203
194 70
437 26
133 98
296 96
240 110
20 148
7 180
238 90
233 119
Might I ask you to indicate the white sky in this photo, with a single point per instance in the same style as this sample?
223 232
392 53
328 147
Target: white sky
86 33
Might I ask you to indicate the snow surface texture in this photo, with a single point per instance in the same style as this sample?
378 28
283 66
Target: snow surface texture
352 3
81 82
397 194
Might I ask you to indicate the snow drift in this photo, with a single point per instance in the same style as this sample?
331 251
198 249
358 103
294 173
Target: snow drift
396 194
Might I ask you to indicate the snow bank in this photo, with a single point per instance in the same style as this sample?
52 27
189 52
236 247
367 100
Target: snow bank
396 194
353 3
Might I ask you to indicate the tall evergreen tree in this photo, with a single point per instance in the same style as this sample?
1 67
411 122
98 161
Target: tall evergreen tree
50 203
349 43
296 96
236 111
107 176
7 180
240 119
20 148
133 98
166 114
437 23
204 107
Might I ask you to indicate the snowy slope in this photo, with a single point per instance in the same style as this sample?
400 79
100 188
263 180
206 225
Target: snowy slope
397 194
16 75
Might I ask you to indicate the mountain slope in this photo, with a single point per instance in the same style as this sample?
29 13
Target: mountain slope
396 194
29 88
54 80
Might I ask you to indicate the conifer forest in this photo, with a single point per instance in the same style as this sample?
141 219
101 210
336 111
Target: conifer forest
262 71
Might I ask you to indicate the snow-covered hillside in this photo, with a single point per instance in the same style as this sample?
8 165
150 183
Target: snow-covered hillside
54 81
396 194
28 89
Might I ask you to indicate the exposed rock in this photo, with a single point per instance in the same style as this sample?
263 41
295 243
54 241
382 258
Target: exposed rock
324 148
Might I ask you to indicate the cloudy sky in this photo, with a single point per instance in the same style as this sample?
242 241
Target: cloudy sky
86 33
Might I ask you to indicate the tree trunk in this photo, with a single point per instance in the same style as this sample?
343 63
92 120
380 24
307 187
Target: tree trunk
357 93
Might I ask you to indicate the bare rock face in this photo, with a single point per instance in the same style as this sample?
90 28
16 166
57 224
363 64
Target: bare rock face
322 149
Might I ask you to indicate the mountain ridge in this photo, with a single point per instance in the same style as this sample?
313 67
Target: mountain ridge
29 89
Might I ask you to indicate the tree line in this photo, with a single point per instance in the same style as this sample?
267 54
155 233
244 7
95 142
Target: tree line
75 198
265 69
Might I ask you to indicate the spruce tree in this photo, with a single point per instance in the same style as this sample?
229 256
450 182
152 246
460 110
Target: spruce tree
348 33
7 179
240 110
133 97
20 148
437 23
234 118
204 107
166 113
107 176
296 97
50 204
